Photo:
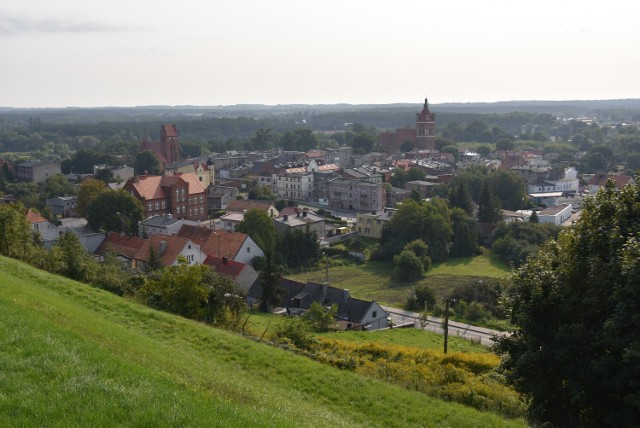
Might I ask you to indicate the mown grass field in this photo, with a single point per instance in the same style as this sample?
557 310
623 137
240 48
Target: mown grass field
71 355
375 280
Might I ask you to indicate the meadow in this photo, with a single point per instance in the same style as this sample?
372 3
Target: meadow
72 355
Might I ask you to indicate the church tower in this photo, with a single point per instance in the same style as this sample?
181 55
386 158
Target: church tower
169 145
425 128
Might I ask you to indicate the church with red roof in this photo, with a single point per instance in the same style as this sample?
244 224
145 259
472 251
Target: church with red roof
167 150
422 137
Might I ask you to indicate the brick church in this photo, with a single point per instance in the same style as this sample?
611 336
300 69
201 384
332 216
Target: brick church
422 136
167 150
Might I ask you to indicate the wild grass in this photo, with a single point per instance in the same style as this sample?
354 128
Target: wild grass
71 355
375 280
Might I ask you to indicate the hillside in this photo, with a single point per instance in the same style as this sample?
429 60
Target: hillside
74 355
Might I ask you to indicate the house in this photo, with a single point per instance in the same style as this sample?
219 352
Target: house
202 170
169 249
167 150
291 219
242 273
36 170
554 180
124 247
599 180
355 195
421 137
243 205
181 195
63 206
218 197
229 221
365 173
555 215
47 230
236 246
89 239
160 224
369 225
297 297
293 183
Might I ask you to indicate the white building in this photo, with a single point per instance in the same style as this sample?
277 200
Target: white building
293 183
569 183
555 215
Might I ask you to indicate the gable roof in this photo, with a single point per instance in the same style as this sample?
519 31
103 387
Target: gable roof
353 310
601 180
230 268
218 242
155 186
123 245
167 247
240 205
33 217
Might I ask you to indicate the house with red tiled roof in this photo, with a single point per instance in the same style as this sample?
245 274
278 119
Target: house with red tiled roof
167 150
202 170
599 180
242 273
169 249
422 136
182 195
243 205
236 246
124 247
46 229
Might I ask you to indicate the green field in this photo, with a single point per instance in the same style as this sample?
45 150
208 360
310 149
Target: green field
375 280
71 355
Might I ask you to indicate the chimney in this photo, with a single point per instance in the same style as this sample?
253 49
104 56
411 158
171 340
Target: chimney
304 213
285 217
225 260
297 212
345 295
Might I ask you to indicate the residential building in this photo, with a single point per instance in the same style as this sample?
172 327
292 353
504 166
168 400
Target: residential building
181 195
555 180
41 225
136 251
244 205
356 195
36 170
160 225
421 137
229 221
63 206
365 173
218 197
202 170
242 273
369 225
293 183
167 150
599 180
236 246
291 219
555 215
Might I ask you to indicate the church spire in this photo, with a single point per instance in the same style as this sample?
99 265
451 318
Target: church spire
426 103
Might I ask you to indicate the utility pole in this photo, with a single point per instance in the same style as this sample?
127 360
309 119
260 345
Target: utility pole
447 300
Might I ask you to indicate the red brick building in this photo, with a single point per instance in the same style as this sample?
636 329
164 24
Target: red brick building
181 195
167 150
423 136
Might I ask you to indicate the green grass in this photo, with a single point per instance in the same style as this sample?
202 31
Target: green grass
409 337
375 280
71 355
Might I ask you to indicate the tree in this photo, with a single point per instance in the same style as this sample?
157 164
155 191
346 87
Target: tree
105 175
453 150
363 143
574 348
15 232
115 210
483 150
58 185
408 266
534 217
505 144
320 318
406 146
76 263
422 298
488 206
270 281
465 234
89 191
259 226
460 197
146 163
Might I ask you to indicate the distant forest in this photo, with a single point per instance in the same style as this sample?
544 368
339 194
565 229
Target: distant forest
206 124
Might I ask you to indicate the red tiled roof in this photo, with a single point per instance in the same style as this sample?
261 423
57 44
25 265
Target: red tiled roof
125 245
149 187
244 204
173 246
217 242
195 185
230 268
601 180
33 217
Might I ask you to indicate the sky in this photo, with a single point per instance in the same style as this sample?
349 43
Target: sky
87 53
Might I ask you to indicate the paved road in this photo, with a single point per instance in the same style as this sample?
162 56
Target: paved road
477 334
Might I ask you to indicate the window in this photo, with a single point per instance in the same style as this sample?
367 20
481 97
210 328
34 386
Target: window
374 314
164 204
149 207
248 249
201 199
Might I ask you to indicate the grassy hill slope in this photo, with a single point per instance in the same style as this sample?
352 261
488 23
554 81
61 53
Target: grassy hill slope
74 355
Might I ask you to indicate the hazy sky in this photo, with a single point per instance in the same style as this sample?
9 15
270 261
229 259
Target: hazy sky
196 52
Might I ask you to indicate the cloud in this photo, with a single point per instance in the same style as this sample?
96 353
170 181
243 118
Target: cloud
16 26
